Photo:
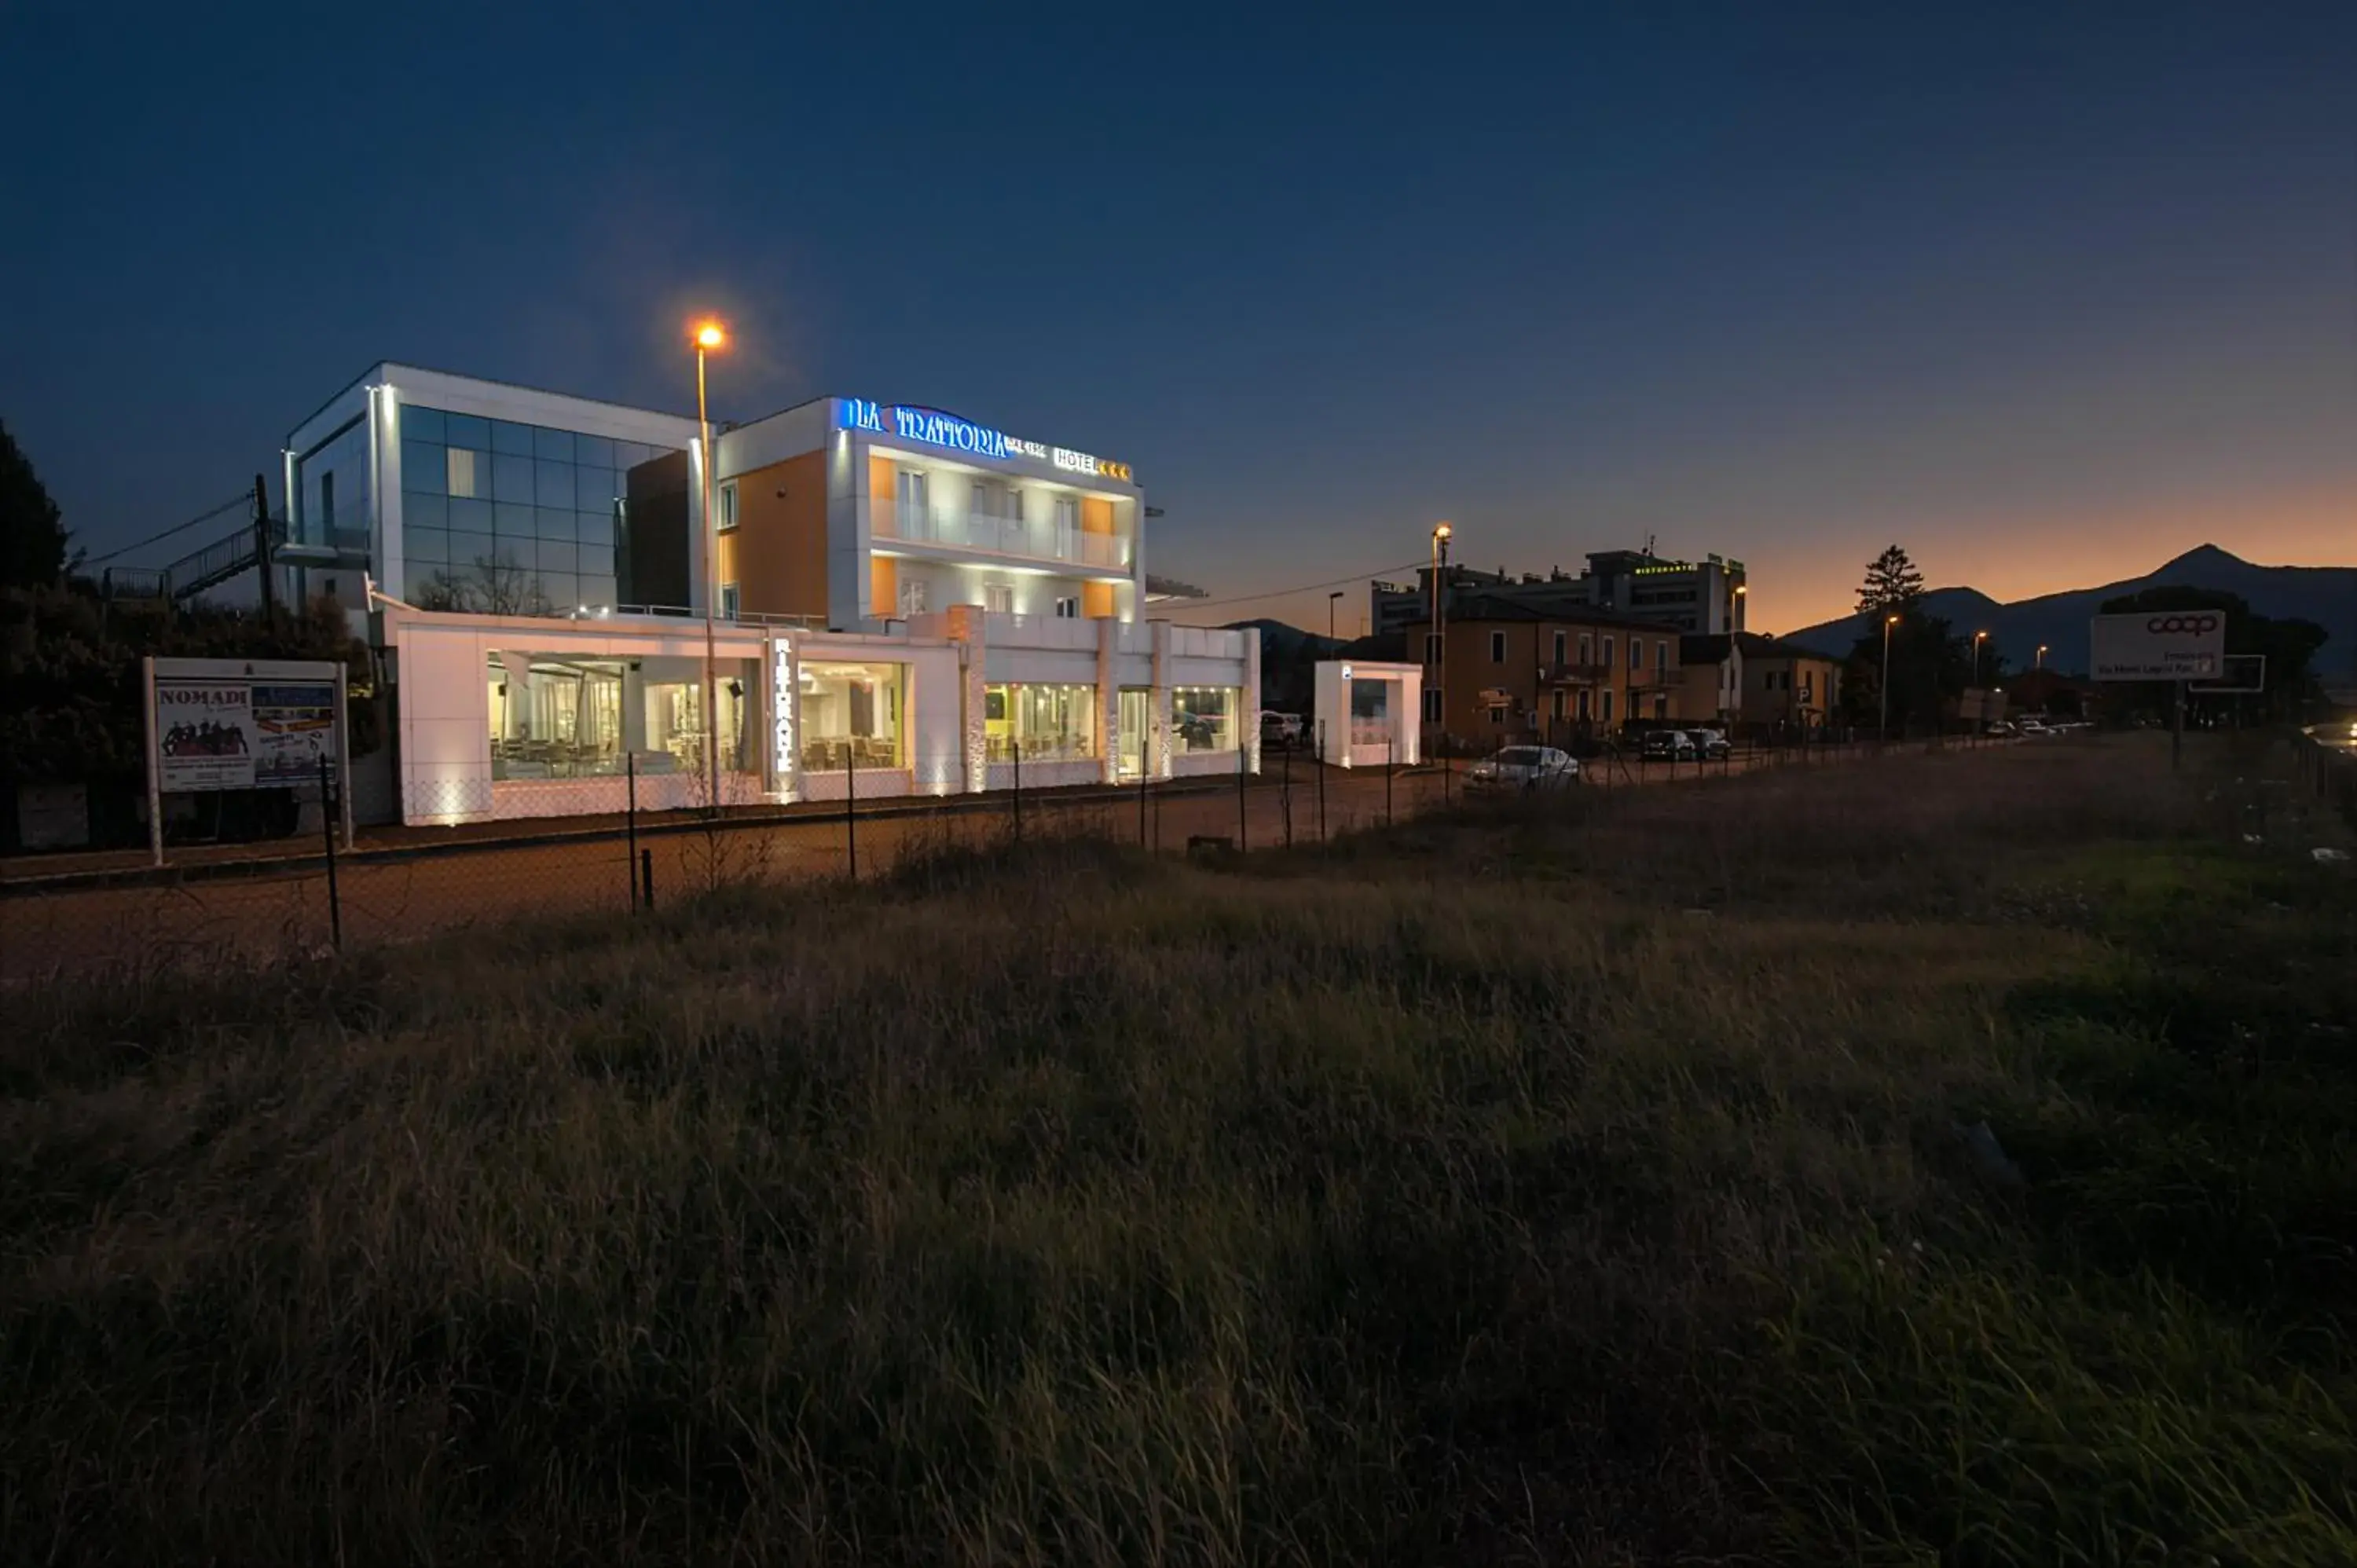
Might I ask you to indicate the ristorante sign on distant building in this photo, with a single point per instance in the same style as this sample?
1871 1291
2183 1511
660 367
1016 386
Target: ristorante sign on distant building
956 434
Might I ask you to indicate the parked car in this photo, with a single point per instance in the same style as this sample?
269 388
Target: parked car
2036 728
1279 729
1712 744
2003 729
1668 744
1524 768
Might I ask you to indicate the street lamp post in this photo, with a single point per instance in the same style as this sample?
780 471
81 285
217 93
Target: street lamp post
1330 613
1742 591
1440 537
709 338
1883 734
1978 638
2042 656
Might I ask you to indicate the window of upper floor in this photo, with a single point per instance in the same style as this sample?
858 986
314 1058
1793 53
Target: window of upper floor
728 505
1497 648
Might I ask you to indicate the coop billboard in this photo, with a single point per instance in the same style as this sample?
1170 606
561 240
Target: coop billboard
2159 645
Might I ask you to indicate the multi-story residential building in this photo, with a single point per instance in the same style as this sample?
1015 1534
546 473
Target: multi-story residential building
1746 677
901 601
1512 672
1704 596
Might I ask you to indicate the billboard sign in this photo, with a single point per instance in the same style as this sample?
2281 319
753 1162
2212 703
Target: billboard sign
2159 645
216 731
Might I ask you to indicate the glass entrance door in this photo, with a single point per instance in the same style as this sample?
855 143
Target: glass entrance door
1137 703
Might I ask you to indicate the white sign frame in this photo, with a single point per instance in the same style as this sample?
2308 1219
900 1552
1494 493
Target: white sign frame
2158 644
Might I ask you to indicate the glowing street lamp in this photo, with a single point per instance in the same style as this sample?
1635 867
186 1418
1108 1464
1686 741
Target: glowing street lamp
2042 656
1978 638
709 336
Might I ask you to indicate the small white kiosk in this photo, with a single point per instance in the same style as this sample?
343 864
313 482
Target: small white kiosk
1367 714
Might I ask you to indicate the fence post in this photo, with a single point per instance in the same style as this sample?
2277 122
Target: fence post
1242 835
630 823
851 810
327 829
1145 774
647 877
1322 781
1391 750
1015 750
1284 796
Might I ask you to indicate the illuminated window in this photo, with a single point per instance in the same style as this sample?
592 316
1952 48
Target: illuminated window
998 598
1203 718
1042 723
852 715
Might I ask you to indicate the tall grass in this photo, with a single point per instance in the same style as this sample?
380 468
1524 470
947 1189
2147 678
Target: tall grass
1455 1194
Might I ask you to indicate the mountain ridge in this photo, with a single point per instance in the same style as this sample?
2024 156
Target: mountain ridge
2325 595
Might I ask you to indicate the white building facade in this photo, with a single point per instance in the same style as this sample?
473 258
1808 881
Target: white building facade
903 603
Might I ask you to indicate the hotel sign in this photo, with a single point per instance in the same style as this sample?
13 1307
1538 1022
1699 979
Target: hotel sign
956 434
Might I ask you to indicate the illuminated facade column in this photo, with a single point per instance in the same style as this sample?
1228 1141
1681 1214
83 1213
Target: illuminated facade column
1157 754
1109 696
1250 718
964 624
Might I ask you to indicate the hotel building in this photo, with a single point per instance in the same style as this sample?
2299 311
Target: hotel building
904 602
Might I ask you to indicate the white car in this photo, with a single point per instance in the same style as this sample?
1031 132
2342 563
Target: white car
1524 768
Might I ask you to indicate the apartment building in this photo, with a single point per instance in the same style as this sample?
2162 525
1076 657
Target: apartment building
1705 598
1512 672
1746 677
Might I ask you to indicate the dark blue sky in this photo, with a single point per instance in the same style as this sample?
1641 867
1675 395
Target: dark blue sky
2046 294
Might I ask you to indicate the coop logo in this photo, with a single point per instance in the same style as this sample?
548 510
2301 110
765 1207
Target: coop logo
2200 626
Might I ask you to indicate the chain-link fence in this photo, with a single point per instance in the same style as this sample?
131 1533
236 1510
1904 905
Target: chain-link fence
649 847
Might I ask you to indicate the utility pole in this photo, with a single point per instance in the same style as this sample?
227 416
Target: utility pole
262 553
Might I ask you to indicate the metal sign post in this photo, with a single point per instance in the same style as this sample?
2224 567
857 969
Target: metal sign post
154 765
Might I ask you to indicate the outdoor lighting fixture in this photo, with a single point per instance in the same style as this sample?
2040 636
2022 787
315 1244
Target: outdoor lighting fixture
711 335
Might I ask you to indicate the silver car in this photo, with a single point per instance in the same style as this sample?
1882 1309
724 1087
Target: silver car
1524 768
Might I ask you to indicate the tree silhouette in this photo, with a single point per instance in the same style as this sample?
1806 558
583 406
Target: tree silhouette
1892 584
32 540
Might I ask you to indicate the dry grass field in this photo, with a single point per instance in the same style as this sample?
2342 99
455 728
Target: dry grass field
1590 1182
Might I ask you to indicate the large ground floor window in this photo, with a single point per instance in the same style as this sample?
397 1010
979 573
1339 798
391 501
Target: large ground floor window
562 715
1047 724
1204 718
852 716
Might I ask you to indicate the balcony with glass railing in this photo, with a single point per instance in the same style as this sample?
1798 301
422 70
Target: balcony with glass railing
895 522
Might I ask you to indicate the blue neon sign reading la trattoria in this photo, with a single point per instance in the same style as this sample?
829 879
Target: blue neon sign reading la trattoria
934 429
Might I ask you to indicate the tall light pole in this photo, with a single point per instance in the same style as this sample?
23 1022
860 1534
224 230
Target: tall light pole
2042 656
1978 638
709 338
1884 732
1742 592
1440 537
1330 613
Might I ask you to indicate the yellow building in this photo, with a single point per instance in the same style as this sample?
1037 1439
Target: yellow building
1512 672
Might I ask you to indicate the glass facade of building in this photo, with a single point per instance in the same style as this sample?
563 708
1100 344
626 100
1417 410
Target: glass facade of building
558 715
852 716
331 491
1049 724
1203 718
510 519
